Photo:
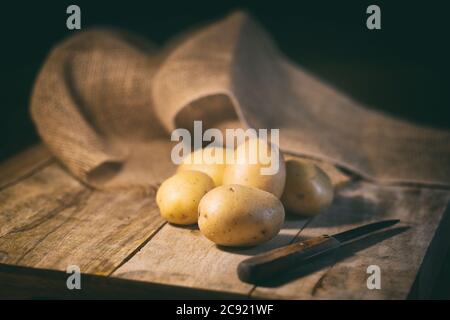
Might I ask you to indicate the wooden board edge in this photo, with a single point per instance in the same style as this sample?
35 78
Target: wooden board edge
32 283
433 260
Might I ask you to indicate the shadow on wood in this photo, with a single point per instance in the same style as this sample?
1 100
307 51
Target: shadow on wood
31 283
358 203
258 249
328 259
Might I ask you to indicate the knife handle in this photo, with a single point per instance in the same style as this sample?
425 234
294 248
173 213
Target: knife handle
262 266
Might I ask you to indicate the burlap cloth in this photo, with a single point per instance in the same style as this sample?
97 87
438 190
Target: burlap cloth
105 103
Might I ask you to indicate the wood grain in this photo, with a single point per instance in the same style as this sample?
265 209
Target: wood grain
264 266
31 283
24 164
399 251
50 220
183 257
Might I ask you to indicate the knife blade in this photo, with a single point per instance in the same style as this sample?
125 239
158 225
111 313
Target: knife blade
265 265
363 230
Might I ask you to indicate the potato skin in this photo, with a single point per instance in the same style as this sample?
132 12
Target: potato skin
214 170
236 215
244 173
308 190
178 196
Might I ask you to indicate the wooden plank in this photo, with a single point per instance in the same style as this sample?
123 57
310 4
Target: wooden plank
30 283
50 220
23 164
183 257
35 198
398 252
434 261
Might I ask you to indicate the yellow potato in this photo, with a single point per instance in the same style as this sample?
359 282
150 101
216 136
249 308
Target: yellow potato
308 190
207 163
245 171
178 197
235 215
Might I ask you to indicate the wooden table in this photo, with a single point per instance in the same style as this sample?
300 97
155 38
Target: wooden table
49 220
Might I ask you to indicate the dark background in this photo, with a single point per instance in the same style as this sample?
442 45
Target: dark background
400 69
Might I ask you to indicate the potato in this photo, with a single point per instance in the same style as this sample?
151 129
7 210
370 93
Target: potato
207 164
246 172
235 215
178 197
308 190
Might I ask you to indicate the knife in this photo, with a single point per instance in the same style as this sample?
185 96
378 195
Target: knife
262 266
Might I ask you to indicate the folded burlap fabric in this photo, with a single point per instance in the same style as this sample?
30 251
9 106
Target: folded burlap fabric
105 103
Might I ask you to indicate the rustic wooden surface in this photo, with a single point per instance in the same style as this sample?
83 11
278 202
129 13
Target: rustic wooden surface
48 221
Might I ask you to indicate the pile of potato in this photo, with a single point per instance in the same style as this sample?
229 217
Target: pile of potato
234 204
